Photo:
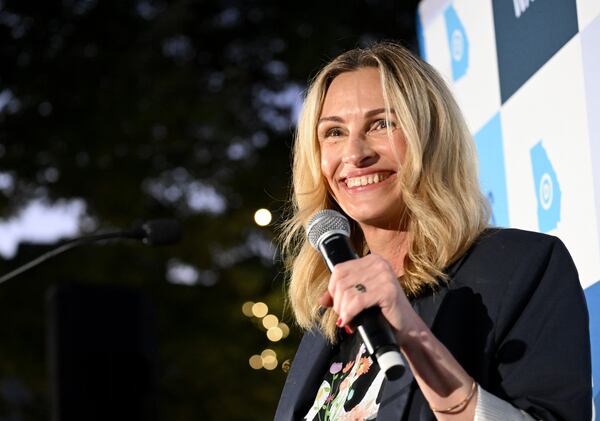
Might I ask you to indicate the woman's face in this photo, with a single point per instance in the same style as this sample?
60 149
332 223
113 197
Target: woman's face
358 159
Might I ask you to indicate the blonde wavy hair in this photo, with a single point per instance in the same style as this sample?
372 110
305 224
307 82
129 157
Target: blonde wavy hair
444 210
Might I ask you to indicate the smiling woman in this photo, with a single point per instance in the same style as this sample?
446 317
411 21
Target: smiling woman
381 140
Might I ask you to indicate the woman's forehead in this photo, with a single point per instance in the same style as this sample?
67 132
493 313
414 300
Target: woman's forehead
353 91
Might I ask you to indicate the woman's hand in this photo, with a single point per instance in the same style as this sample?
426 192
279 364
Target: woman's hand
442 380
381 288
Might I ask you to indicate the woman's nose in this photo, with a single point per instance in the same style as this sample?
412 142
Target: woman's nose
358 152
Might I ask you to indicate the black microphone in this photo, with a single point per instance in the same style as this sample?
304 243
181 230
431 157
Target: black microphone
328 231
157 232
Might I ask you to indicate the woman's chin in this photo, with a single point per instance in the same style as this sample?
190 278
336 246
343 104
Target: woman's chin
369 218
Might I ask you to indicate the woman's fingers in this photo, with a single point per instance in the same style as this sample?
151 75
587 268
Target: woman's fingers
325 300
354 302
341 283
359 284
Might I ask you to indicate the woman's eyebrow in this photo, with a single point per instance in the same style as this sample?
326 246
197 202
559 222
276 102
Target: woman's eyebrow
333 118
368 114
377 111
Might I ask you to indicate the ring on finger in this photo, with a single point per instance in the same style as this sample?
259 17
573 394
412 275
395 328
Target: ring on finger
360 287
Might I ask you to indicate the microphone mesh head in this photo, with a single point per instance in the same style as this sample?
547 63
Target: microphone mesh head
324 223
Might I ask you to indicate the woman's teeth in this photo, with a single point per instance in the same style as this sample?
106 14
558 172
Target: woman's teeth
365 180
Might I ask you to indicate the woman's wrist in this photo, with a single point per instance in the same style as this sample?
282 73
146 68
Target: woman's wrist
459 407
447 387
412 333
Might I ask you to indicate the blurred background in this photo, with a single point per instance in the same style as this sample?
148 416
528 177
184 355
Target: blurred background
113 112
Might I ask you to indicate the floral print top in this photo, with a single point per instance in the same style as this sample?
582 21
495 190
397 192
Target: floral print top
351 388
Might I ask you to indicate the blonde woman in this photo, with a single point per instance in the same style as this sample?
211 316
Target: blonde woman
491 323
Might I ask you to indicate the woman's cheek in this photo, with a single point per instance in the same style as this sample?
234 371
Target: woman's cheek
328 171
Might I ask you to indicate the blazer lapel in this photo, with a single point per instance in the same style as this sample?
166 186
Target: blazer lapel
305 376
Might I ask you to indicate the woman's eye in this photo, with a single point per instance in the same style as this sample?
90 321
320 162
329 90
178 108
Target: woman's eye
333 132
383 124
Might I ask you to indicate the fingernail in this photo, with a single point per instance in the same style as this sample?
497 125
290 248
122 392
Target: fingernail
348 330
339 322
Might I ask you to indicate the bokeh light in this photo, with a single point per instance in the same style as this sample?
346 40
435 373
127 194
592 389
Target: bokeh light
268 353
269 362
274 334
260 309
256 362
269 359
270 321
285 330
247 308
262 217
271 365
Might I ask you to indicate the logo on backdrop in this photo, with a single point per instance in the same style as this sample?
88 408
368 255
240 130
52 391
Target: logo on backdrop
457 42
547 189
521 6
528 33
492 176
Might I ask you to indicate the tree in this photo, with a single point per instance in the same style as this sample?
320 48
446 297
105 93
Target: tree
146 109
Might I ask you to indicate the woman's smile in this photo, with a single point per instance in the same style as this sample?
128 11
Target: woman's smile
365 180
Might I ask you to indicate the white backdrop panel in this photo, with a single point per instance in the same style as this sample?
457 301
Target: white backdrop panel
555 114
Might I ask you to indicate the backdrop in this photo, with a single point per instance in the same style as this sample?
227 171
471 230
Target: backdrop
527 77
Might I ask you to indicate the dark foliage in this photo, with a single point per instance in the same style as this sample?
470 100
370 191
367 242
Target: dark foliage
146 109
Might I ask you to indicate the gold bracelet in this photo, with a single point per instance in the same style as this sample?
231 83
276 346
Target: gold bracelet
454 409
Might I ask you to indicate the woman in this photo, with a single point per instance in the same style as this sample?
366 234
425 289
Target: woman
491 323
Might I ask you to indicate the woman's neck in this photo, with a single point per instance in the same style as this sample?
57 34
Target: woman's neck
389 244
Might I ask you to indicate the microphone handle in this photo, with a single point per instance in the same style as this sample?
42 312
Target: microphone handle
336 249
373 328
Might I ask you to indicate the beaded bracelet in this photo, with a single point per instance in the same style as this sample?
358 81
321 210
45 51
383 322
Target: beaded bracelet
454 409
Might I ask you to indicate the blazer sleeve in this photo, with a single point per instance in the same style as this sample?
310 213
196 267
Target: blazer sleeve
542 334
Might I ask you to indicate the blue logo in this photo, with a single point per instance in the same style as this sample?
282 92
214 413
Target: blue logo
458 43
547 189
592 297
492 177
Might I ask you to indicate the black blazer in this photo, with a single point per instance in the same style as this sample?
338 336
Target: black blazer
514 316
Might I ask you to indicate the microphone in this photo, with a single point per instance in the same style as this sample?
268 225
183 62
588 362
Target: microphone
328 231
157 232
